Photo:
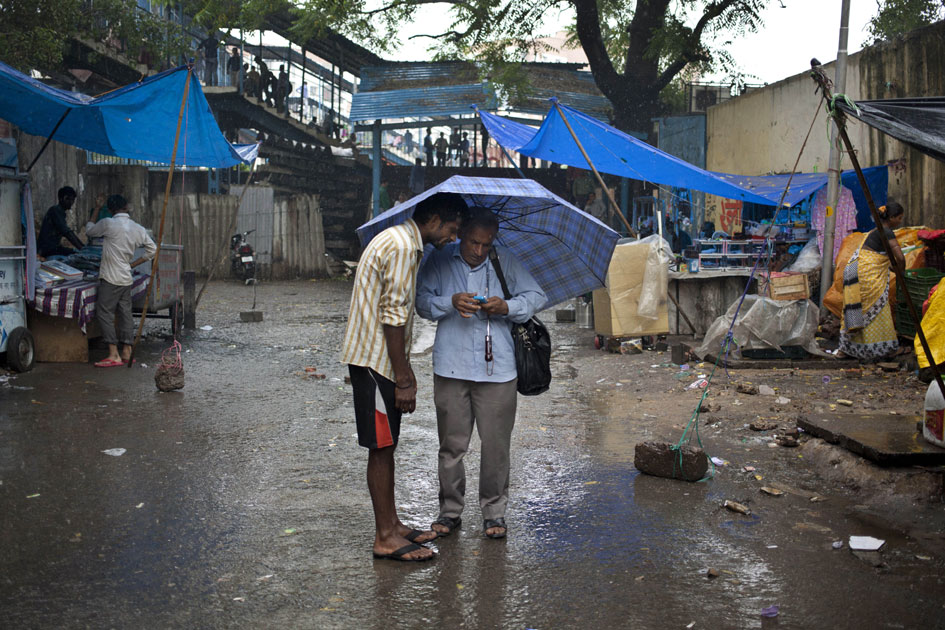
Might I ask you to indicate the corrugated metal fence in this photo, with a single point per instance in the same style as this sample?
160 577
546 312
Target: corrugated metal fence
289 238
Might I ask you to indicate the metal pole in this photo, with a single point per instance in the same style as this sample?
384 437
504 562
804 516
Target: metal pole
833 162
376 170
475 144
302 93
239 87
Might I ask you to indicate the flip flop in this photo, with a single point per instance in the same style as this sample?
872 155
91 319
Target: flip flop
403 551
414 534
489 523
109 363
449 523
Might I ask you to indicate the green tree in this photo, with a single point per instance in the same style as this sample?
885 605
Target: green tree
896 17
636 48
34 33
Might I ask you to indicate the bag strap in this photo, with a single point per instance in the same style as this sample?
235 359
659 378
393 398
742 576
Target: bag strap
494 257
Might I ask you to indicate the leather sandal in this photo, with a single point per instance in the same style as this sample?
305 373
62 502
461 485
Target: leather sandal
449 523
490 523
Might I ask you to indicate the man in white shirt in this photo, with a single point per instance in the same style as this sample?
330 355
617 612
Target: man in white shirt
113 303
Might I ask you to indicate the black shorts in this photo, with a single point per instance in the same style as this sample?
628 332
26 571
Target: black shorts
375 412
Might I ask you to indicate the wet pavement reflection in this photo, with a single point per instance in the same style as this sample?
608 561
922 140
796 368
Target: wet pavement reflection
241 502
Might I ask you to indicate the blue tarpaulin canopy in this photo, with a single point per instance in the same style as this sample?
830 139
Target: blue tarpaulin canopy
615 152
611 150
138 121
805 184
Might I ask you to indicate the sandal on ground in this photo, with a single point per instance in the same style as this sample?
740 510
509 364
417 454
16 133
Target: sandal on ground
414 534
449 523
491 523
109 363
403 551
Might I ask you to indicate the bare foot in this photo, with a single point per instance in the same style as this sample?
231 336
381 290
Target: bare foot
496 532
416 535
388 548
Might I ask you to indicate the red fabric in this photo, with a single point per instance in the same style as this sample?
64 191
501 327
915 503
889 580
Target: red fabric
381 425
932 235
925 305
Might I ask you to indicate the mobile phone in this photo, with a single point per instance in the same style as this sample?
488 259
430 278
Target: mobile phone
479 298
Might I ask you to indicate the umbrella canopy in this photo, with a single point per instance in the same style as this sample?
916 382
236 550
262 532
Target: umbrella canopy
567 251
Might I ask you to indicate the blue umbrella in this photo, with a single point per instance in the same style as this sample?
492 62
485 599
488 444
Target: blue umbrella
567 251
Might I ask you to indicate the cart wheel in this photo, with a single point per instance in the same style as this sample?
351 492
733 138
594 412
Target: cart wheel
177 318
21 355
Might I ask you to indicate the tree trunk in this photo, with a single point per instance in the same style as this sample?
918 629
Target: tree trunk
634 94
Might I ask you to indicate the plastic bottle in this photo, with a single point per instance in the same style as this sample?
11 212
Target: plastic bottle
933 430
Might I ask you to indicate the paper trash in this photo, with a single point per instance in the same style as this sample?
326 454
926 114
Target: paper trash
865 543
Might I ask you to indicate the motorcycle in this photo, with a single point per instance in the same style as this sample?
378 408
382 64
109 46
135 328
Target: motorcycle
242 257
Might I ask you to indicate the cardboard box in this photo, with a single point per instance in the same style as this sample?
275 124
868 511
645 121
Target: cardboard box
783 285
615 308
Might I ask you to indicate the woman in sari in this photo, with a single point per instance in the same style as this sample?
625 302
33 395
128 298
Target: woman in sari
868 332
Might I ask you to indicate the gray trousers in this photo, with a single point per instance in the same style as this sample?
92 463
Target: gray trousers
491 407
113 310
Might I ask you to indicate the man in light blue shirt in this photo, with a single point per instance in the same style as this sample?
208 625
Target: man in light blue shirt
474 363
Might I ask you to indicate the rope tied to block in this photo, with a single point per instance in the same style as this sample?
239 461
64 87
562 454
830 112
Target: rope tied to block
692 427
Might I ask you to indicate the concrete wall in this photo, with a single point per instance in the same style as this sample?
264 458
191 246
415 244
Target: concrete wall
683 136
762 132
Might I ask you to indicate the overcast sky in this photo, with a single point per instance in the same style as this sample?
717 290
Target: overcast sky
782 48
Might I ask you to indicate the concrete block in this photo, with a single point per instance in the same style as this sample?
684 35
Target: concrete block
660 459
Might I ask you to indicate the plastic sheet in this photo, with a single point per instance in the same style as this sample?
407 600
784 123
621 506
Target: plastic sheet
809 259
764 323
655 276
933 325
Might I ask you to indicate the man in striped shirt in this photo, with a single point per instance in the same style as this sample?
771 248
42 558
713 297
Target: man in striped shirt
376 346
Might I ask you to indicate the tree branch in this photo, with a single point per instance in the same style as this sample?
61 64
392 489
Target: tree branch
693 51
453 34
413 3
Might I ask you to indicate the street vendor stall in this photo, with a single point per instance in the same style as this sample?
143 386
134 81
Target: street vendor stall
16 341
164 118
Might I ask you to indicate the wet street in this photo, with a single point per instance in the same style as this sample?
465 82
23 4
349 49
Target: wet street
241 501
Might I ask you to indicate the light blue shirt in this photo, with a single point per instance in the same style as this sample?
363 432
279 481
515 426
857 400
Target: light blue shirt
459 350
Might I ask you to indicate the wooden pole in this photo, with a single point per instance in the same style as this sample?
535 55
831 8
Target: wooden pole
610 195
821 79
680 311
48 140
155 266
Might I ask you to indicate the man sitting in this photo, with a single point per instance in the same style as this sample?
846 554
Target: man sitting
55 228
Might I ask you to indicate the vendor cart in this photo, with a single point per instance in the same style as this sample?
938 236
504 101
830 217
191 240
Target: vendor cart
15 339
16 342
166 294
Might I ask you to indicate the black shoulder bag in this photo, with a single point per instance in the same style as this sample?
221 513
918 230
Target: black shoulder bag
532 346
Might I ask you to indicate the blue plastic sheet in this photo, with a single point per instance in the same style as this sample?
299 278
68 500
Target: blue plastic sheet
138 121
617 153
611 150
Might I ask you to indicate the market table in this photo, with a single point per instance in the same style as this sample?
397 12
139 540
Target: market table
704 296
63 318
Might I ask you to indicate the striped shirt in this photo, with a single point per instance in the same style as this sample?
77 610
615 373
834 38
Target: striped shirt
385 288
